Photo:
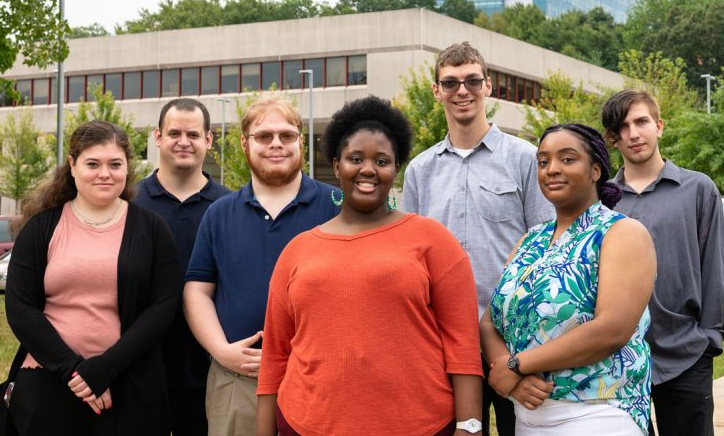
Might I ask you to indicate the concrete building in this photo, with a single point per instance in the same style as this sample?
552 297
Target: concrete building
351 56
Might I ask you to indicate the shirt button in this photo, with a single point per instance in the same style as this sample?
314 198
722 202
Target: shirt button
266 217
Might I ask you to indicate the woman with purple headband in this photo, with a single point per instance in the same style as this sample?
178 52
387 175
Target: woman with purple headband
565 327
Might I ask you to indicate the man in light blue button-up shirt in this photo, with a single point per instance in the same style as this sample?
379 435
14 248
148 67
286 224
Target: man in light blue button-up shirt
479 182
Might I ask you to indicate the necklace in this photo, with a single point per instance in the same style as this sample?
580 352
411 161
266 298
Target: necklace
92 223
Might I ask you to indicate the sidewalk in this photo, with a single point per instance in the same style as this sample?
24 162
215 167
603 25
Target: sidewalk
719 407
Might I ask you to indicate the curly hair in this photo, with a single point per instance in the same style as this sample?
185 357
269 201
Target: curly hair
372 114
608 192
60 188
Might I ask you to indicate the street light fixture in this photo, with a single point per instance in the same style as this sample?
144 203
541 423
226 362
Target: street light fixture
61 88
708 78
223 133
311 121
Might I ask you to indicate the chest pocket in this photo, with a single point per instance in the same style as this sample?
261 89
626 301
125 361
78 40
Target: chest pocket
498 200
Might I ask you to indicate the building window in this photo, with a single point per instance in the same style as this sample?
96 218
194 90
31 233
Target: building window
131 85
292 76
169 83
53 90
210 80
335 71
271 75
151 86
24 87
41 91
76 89
250 77
357 70
229 79
189 81
113 84
317 67
92 82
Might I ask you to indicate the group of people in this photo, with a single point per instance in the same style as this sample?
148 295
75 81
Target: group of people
528 278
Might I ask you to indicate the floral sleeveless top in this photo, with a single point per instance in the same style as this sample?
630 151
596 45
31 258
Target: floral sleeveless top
546 291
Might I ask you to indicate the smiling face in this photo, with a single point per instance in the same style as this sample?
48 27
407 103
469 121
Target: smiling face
277 163
566 174
366 170
183 143
639 135
100 173
463 107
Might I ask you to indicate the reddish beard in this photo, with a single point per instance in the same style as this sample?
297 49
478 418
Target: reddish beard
274 176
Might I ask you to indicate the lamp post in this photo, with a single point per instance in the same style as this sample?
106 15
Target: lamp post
61 88
311 121
708 78
223 133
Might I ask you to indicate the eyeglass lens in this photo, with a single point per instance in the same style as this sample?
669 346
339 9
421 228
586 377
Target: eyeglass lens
266 138
474 84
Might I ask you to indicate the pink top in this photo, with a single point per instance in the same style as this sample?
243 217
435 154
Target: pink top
81 285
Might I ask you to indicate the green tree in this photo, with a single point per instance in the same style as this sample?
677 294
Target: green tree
183 14
463 10
103 107
686 29
590 36
33 29
89 31
663 77
26 156
425 113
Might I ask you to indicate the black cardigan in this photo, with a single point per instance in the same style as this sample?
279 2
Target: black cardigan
148 294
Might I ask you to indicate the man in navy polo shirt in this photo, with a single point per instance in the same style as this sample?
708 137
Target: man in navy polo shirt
181 192
240 238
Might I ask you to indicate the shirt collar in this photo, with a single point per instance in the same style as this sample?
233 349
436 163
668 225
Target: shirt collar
492 139
155 189
306 193
669 172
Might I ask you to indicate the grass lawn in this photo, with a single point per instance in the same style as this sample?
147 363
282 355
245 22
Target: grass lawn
8 343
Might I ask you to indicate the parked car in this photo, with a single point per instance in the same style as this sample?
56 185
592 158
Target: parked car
4 262
7 239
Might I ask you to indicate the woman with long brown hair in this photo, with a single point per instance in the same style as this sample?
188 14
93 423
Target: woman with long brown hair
92 286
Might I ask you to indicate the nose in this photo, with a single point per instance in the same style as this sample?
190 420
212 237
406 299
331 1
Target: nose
552 168
367 167
184 141
105 172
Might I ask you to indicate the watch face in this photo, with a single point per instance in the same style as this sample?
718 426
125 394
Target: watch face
513 363
471 426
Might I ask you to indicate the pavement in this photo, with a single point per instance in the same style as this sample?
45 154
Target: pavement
719 407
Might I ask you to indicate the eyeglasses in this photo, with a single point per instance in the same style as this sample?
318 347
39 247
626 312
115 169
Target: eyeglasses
473 84
266 138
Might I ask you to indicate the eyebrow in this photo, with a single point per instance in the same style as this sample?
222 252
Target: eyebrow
563 150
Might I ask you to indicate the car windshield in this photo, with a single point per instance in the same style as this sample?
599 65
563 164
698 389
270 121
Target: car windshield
5 231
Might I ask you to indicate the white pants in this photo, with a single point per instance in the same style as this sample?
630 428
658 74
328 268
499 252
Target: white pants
559 418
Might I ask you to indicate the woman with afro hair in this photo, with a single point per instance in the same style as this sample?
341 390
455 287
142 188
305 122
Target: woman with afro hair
371 324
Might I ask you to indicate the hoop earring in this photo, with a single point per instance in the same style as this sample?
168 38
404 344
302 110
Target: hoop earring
335 201
391 207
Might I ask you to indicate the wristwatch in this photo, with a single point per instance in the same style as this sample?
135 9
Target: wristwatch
514 365
472 425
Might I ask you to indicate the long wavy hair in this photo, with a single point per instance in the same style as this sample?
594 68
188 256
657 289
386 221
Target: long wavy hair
59 188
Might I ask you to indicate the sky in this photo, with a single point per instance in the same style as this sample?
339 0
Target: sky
106 12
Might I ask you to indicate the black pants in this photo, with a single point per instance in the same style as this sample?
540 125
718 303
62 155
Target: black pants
42 405
685 405
188 412
504 412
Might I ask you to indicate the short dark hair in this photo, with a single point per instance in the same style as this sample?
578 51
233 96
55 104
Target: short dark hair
616 108
185 104
609 193
459 54
373 114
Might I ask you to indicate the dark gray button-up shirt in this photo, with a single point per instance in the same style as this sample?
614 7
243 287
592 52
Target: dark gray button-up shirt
488 200
682 210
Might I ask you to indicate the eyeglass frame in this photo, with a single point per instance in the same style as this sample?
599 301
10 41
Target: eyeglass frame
461 82
275 135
